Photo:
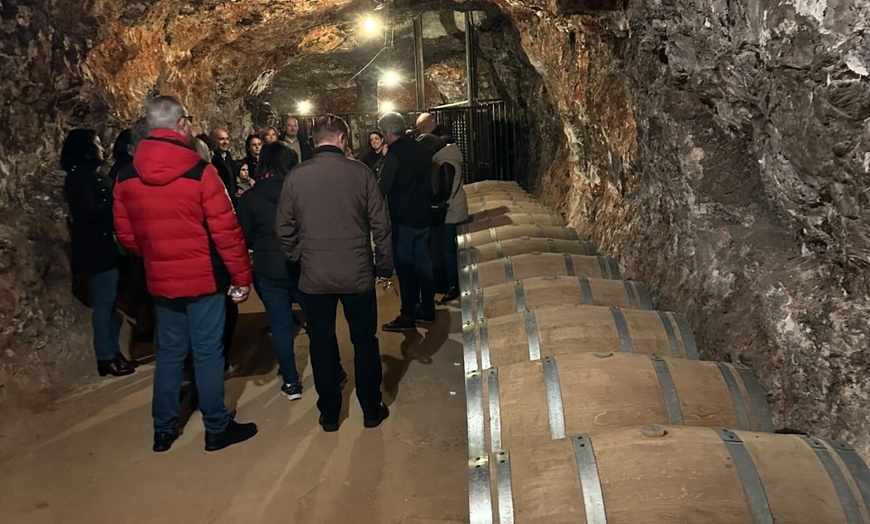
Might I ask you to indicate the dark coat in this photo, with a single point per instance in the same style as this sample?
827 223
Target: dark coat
120 165
226 170
92 238
252 165
406 181
257 209
329 212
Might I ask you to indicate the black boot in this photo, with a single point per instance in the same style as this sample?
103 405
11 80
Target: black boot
133 363
117 367
234 434
163 441
452 294
383 413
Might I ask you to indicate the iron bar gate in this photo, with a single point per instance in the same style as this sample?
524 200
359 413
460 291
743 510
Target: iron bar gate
490 134
494 150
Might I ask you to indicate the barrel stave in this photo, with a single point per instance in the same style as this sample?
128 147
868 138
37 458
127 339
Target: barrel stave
540 219
568 329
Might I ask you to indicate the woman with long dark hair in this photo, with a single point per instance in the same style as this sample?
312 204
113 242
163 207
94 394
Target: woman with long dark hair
92 242
253 147
276 287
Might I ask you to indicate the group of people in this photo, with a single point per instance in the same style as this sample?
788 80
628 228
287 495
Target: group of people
320 227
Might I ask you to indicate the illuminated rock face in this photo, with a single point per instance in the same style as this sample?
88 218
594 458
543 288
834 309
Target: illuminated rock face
718 149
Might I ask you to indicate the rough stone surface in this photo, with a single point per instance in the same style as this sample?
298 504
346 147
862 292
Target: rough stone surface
718 148
721 151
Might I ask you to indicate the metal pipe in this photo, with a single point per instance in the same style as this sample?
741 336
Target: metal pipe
419 72
471 88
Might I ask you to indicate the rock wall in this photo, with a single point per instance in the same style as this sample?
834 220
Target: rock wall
720 150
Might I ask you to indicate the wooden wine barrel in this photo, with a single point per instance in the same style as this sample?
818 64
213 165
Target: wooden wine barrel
673 474
496 234
489 199
536 264
520 246
530 403
555 331
520 219
485 184
552 291
477 213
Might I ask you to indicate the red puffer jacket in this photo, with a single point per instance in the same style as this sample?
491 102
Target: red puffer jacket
174 212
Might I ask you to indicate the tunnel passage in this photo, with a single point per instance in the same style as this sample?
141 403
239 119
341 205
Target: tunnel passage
719 151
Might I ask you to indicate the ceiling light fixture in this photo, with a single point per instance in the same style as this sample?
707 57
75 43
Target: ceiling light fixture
387 107
391 79
304 107
371 25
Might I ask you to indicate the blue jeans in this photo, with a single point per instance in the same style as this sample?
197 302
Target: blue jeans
278 297
182 324
104 318
450 257
414 269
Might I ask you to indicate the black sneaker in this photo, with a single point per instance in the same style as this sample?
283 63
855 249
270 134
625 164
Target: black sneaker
328 427
451 295
382 416
234 434
292 391
163 440
400 324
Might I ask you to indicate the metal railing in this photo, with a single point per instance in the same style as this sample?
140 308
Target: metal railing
491 135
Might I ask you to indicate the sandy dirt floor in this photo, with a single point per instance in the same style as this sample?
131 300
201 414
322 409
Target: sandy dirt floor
88 457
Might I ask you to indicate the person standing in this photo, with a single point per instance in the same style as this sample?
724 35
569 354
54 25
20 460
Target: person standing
253 146
406 181
274 285
329 211
93 250
450 206
173 210
290 138
222 160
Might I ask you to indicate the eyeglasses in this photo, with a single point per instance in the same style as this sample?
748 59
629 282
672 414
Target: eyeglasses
189 118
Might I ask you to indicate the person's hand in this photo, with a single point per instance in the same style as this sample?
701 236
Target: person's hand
239 293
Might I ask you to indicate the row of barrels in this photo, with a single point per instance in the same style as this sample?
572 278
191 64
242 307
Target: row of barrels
586 404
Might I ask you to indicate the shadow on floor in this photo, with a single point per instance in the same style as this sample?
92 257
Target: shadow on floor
415 347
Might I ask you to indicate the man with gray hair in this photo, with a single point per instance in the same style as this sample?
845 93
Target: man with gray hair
406 181
173 211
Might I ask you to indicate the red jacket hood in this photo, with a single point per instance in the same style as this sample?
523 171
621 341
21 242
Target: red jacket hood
159 163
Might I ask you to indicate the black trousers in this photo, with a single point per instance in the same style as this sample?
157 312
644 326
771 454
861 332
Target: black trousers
361 313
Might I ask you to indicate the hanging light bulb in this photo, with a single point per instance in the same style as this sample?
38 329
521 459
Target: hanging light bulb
304 107
371 26
387 106
391 79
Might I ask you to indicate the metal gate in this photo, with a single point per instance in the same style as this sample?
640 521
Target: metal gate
490 135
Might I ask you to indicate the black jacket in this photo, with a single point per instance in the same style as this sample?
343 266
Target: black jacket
92 236
252 165
257 208
406 181
120 164
226 171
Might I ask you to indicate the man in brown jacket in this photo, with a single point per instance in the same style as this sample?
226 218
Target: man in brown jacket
329 210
